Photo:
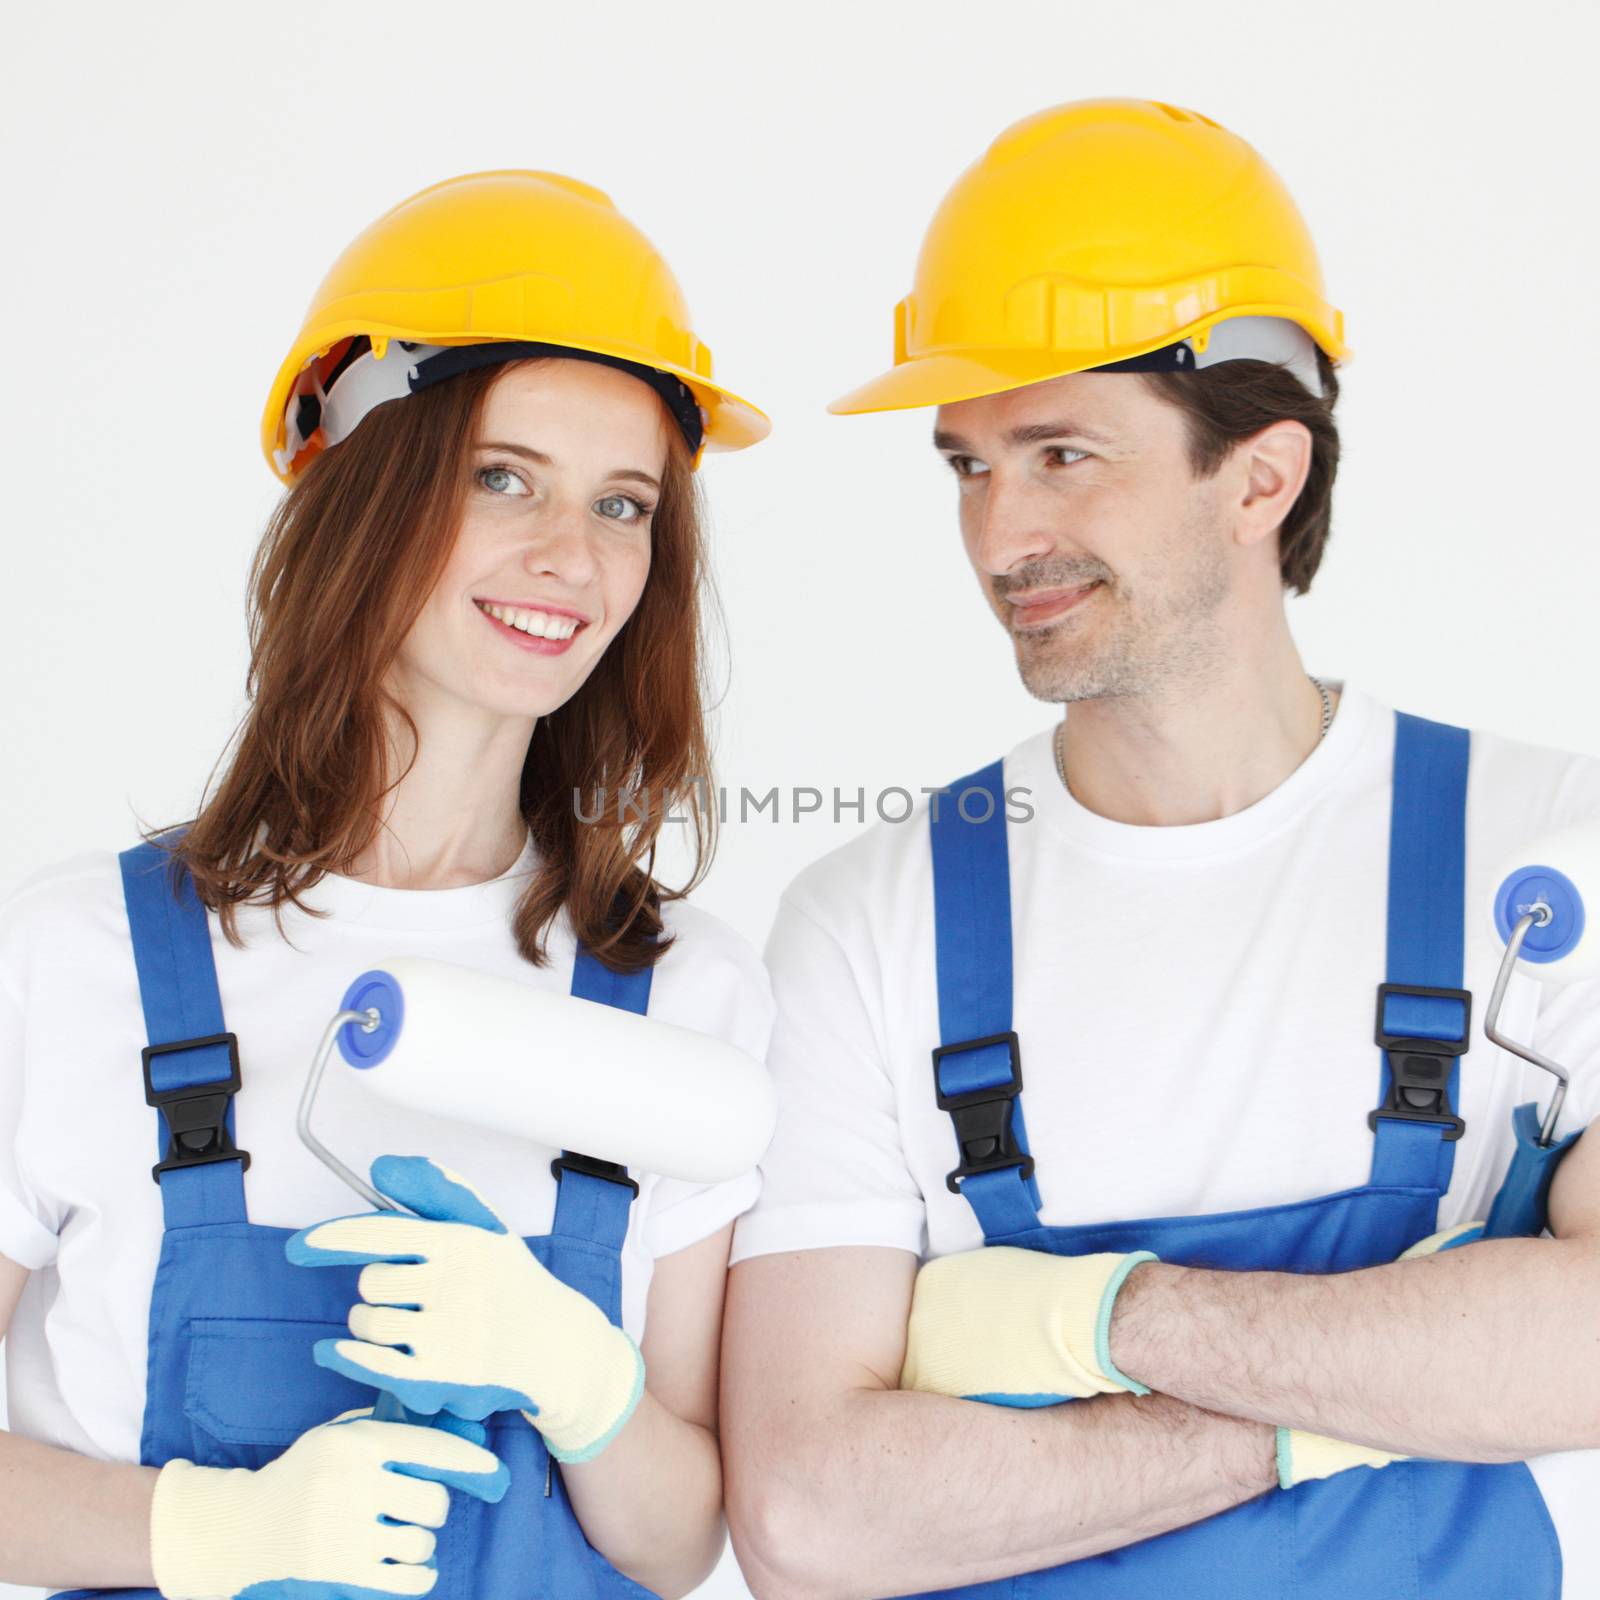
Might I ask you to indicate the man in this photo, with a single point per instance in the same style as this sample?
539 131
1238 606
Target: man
1174 908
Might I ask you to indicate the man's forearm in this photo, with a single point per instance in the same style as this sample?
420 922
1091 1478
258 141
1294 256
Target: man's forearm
893 1492
1490 1352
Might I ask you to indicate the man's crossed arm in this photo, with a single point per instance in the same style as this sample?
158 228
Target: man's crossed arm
839 1484
1486 1353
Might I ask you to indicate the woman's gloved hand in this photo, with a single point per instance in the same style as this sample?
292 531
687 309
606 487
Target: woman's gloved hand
1016 1327
311 1524
457 1315
1303 1456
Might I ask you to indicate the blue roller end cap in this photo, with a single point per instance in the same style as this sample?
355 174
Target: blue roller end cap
1528 886
376 991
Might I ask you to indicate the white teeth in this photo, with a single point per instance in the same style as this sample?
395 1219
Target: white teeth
537 624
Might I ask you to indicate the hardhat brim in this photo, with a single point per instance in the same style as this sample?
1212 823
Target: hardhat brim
946 377
942 379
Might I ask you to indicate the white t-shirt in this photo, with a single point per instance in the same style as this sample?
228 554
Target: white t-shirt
77 1142
1195 1012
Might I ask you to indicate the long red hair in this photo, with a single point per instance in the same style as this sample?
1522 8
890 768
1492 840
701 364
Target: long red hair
347 560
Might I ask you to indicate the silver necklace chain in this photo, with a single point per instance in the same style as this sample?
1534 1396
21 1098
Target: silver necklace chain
1327 722
1327 707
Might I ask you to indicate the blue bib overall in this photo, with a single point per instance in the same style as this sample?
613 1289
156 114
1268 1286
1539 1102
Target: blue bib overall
1440 1530
231 1381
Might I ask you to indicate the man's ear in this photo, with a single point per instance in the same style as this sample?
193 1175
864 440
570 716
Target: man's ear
1275 463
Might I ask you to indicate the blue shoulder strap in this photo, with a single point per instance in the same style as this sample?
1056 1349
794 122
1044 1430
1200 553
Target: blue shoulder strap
977 1069
593 1198
191 1064
1424 1022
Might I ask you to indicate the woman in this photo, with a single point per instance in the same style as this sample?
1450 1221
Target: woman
475 603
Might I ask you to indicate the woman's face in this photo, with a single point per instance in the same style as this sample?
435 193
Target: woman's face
554 547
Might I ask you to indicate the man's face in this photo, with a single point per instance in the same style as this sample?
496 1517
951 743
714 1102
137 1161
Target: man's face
1107 562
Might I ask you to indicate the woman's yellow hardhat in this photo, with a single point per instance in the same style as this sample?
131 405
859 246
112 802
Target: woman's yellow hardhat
522 257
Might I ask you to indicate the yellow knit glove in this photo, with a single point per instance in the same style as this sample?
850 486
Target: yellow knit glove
457 1314
1303 1456
316 1514
1016 1327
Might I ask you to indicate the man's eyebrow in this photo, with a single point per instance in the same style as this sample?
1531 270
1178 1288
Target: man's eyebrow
1032 433
540 459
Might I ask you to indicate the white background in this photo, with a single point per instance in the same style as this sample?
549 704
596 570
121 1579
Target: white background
177 178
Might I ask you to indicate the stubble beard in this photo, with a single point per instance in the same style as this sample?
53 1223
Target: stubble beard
1144 644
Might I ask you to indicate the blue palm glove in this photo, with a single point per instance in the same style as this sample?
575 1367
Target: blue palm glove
457 1315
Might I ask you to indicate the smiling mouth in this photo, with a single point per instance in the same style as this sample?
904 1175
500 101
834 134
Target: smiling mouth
1034 615
536 624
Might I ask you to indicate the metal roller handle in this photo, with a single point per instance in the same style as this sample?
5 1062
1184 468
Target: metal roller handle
367 1021
1537 915
386 1406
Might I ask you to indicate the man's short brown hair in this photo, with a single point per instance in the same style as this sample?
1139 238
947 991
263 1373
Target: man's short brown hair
1235 399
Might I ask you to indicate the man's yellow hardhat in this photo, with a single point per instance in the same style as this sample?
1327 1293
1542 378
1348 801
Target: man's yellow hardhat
1095 233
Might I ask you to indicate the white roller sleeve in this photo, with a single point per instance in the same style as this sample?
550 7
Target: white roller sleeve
1562 870
562 1071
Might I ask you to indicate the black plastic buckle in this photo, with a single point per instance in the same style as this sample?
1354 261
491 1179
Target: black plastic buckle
983 1116
1419 1069
611 1171
196 1113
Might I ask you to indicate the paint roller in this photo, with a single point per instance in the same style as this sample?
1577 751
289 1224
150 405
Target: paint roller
446 1041
1544 907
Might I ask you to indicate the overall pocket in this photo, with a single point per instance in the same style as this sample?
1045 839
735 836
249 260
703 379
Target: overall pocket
251 1387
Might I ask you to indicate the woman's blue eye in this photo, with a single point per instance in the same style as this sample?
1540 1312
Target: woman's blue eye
502 480
640 510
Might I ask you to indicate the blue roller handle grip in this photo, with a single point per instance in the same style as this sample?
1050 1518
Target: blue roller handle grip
389 1409
1519 1210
